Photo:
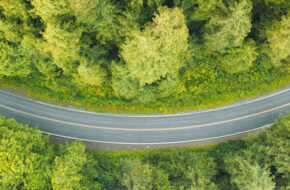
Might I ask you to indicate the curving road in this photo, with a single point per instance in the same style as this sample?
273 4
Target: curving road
150 129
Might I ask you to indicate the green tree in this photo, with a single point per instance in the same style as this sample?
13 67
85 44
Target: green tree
246 175
72 36
136 175
196 10
163 46
13 62
228 29
14 19
10 30
100 19
15 8
63 45
160 180
61 35
278 41
202 173
238 59
153 55
272 148
24 157
278 145
90 73
123 84
68 166
138 12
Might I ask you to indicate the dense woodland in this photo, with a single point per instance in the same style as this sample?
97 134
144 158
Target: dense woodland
29 162
156 55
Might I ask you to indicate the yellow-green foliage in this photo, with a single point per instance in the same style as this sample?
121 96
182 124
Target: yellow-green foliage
278 37
62 45
91 74
153 56
145 55
229 28
27 161
239 59
247 175
12 62
158 50
15 8
67 167
196 10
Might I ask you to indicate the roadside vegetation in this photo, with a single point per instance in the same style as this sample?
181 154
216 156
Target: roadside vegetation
145 56
28 161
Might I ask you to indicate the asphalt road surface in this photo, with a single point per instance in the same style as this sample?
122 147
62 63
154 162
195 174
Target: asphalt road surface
147 129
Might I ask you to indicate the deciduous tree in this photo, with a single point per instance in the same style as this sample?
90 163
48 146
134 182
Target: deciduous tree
238 59
67 167
155 54
24 157
201 174
278 41
247 175
228 29
13 62
136 176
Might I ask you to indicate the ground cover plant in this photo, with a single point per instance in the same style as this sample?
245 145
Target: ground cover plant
144 56
28 161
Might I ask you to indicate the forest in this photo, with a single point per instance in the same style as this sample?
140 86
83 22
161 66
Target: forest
29 162
144 56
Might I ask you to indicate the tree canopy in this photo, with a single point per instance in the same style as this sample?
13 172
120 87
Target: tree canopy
28 161
145 55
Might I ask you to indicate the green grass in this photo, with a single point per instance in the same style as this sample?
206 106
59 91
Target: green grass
204 99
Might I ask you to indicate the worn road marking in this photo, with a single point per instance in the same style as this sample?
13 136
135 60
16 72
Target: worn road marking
153 116
153 129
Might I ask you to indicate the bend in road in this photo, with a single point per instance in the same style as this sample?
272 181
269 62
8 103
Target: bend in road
152 129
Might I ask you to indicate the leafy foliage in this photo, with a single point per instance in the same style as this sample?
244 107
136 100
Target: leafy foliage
68 166
239 59
136 175
29 162
249 176
278 36
13 62
145 55
228 29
